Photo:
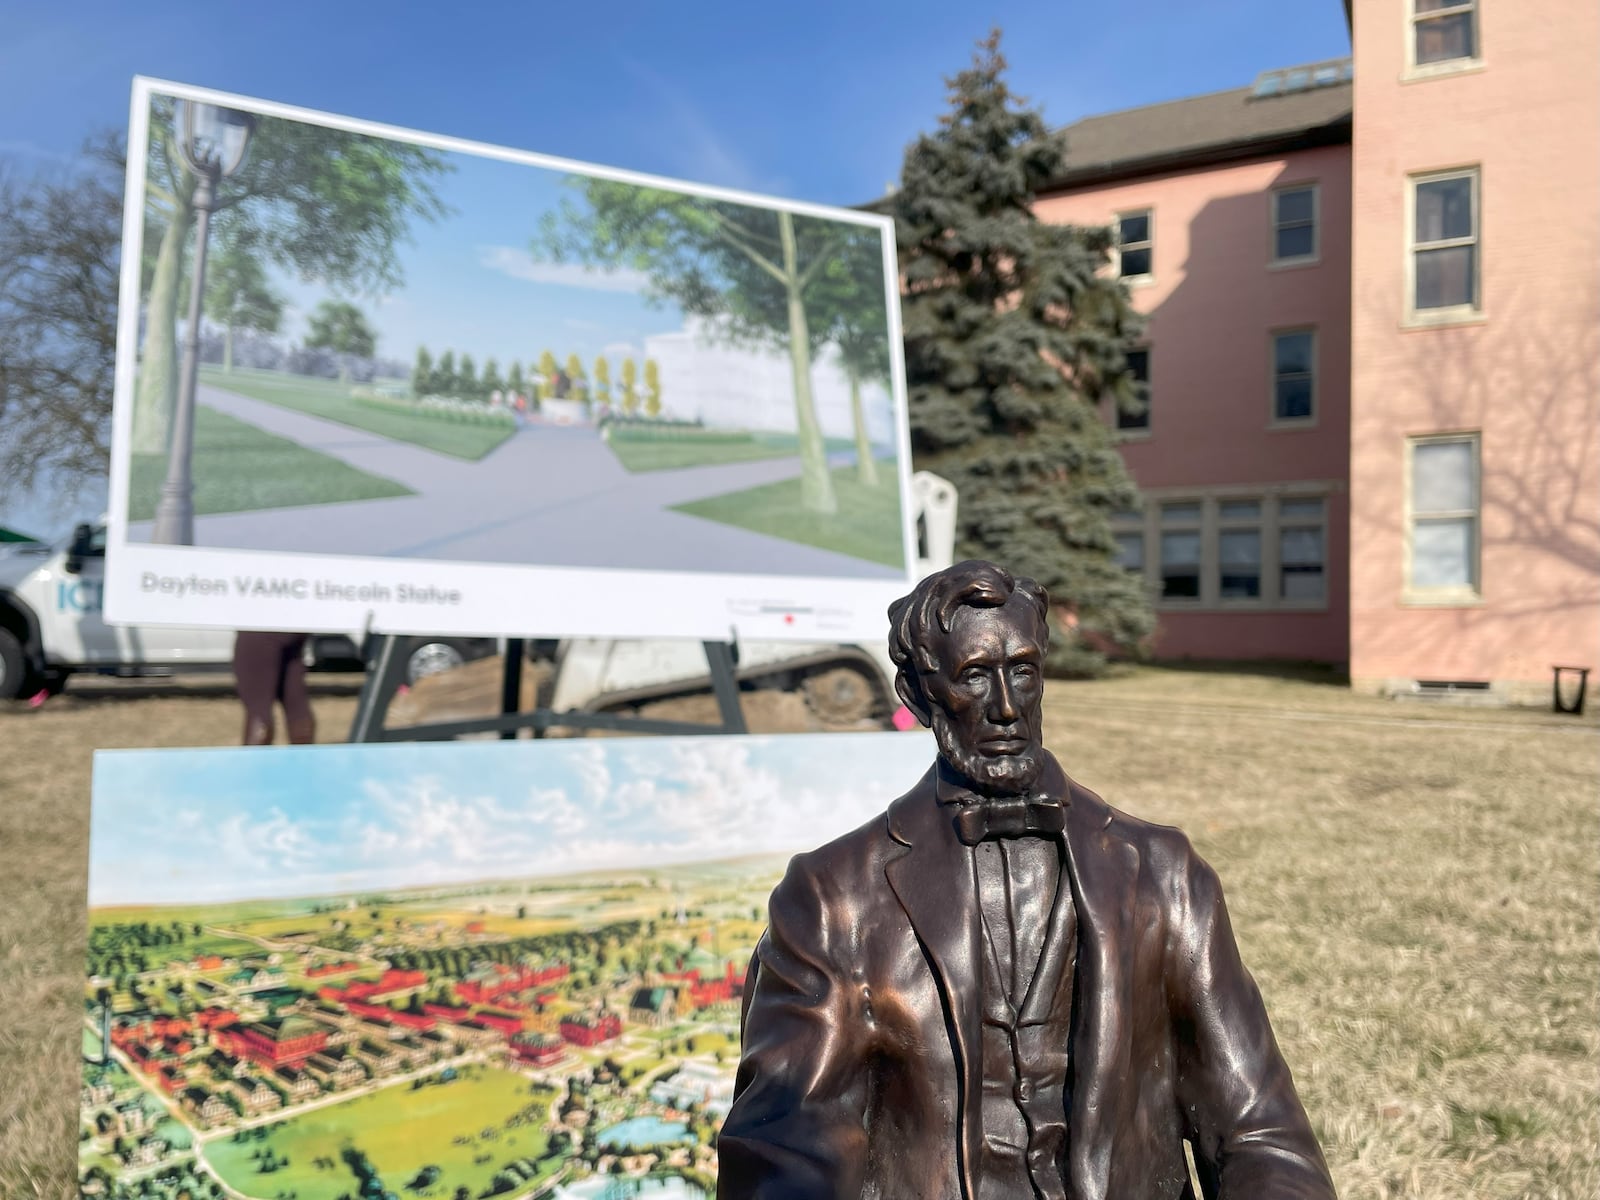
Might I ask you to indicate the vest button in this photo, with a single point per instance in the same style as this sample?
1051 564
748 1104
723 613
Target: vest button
1025 1091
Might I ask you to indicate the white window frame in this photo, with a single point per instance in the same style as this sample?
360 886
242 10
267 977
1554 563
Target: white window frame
1149 214
1283 524
1135 433
1226 524
1197 527
1210 525
1274 421
1456 313
1295 260
1133 524
1455 596
1447 66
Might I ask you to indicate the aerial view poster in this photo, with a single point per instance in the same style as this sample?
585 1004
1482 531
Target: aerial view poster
435 386
442 972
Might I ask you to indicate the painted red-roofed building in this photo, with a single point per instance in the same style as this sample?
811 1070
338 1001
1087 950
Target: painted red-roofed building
216 1018
488 984
537 1049
373 1012
339 968
448 1012
475 927
506 1023
273 1043
413 1020
207 962
171 1078
590 1029
703 993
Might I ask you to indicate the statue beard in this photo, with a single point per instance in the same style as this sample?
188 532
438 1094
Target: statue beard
988 775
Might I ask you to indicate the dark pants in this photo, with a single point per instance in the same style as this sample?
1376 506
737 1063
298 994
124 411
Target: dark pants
270 667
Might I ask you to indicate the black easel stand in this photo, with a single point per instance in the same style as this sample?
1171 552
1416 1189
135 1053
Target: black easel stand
388 673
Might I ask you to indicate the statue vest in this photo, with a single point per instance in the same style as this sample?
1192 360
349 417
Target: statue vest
1025 1049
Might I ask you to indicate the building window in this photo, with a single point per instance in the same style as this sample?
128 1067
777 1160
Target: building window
1444 242
1139 369
1294 370
1135 241
1180 551
1130 551
1443 31
1239 549
1229 551
1444 504
1301 549
1127 528
1294 224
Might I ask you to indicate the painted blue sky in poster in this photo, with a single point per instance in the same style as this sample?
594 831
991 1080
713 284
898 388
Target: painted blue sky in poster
204 826
474 284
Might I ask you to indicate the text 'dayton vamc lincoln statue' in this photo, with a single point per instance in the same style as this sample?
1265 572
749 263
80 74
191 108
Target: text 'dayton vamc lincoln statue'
1002 988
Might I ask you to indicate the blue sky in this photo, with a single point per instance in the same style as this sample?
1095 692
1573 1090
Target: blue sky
813 102
202 826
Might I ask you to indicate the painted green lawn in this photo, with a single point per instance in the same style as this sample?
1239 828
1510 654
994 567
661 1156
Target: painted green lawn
331 400
239 468
400 1130
867 524
638 452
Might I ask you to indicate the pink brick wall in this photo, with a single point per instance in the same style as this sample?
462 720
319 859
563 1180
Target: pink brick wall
1526 376
1213 303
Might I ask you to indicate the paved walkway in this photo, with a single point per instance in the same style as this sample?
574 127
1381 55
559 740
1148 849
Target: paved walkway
550 495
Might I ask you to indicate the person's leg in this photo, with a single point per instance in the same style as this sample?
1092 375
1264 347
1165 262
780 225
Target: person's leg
297 714
255 671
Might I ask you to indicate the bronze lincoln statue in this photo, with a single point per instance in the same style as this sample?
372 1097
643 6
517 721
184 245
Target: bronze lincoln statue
1002 988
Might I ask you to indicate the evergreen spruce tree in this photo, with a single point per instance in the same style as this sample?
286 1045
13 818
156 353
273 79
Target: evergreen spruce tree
1014 344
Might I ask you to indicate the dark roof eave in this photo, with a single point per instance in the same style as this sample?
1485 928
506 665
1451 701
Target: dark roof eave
1332 133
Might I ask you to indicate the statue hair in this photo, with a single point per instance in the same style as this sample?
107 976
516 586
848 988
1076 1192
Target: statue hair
931 606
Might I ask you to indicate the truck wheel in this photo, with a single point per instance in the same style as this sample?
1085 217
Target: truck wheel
15 673
432 656
841 695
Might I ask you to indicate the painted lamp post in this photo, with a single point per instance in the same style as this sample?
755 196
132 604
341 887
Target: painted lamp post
212 141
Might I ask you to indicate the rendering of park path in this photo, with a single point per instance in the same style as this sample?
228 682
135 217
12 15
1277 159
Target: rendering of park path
551 495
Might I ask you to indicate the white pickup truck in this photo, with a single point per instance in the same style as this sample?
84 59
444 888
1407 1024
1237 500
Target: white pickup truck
51 626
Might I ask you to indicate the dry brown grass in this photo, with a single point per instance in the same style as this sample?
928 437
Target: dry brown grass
1414 888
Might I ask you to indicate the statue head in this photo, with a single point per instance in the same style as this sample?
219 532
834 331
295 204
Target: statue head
969 644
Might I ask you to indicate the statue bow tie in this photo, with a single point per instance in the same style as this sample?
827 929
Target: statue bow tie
1009 817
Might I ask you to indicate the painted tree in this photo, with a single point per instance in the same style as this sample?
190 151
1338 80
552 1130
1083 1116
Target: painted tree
630 386
444 379
652 388
238 295
851 305
340 326
516 382
602 379
748 269
466 378
547 372
574 369
422 374
490 381
1014 341
328 205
